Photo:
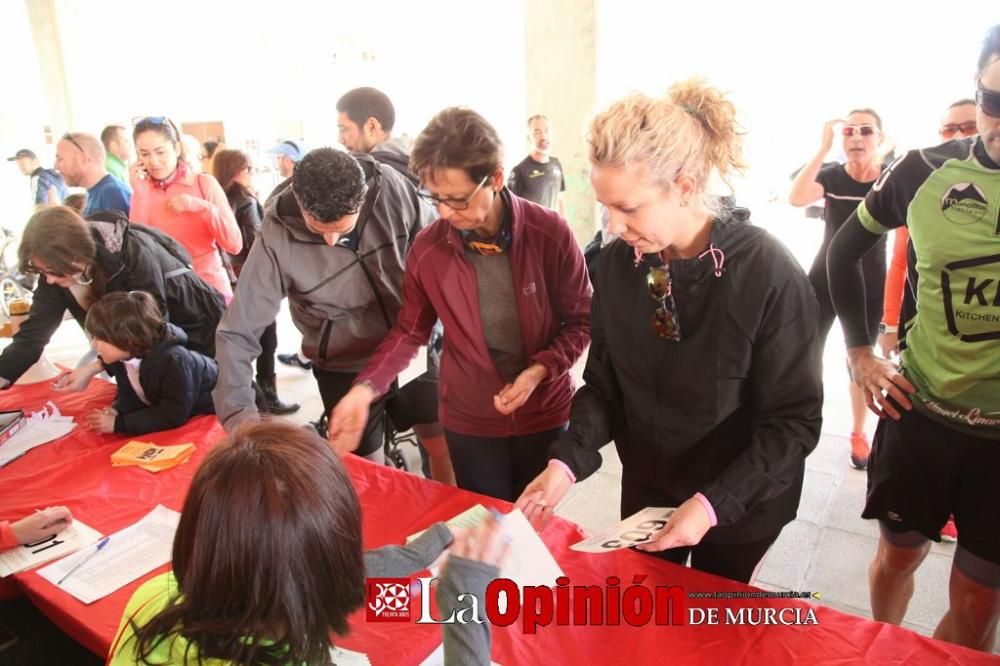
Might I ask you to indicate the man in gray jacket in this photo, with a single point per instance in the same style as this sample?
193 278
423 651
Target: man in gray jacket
333 241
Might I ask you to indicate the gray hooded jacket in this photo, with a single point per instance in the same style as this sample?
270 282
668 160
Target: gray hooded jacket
343 300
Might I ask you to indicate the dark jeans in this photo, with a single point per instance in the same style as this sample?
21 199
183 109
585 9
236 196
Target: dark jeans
499 466
268 345
332 387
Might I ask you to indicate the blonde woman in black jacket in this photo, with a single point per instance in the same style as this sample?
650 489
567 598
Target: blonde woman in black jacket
704 365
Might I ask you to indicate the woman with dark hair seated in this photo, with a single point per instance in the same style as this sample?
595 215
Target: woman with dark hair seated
82 260
274 594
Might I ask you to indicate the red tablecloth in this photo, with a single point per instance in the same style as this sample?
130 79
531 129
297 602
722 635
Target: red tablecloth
76 471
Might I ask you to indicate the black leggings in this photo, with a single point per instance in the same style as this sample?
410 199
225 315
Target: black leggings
735 561
499 466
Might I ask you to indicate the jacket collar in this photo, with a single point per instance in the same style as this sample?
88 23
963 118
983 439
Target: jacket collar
514 209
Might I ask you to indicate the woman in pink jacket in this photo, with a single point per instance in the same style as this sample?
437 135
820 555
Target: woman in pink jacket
190 207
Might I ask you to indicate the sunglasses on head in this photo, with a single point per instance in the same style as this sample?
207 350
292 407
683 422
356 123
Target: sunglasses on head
988 101
665 321
862 130
948 131
149 120
68 136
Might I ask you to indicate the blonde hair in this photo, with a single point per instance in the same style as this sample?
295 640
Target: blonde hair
692 131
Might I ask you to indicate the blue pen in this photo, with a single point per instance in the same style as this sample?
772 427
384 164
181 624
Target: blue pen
100 544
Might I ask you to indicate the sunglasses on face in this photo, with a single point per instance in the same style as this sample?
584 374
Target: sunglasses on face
861 130
988 101
948 131
665 321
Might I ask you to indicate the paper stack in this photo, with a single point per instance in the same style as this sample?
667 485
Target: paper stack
151 457
129 554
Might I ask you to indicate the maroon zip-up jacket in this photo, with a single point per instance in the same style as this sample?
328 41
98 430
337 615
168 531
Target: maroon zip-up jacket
553 306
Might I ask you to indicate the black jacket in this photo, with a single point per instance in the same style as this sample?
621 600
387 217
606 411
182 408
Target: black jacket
249 214
731 410
141 258
177 383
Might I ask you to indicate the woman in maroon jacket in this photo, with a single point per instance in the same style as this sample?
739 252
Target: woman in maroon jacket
508 281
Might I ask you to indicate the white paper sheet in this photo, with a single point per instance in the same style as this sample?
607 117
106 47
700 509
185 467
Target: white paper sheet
43 426
529 561
637 528
130 553
71 539
344 657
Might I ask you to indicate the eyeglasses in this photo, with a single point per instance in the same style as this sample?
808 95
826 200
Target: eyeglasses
863 130
665 321
988 101
967 129
454 204
69 137
31 268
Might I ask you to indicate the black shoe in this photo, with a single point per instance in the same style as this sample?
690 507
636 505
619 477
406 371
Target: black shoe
272 403
295 361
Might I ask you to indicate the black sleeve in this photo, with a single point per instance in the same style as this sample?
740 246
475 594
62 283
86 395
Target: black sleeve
847 281
786 391
887 203
592 415
248 220
47 310
178 395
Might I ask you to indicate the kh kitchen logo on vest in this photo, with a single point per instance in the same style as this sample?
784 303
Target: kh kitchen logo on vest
964 203
971 290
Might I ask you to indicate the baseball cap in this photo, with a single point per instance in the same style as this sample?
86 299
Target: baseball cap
24 152
292 149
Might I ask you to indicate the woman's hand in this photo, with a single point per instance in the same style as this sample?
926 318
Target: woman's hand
828 134
514 395
349 417
875 375
186 203
542 495
41 525
102 420
686 527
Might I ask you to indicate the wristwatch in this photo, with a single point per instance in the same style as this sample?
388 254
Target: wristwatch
884 328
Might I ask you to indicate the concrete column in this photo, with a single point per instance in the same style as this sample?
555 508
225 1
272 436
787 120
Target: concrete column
44 22
561 83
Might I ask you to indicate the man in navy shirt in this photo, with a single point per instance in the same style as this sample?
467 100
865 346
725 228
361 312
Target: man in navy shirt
80 157
47 186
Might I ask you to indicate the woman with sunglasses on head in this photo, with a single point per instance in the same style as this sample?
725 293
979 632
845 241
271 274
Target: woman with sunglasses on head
704 364
234 171
507 279
79 261
190 207
843 187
